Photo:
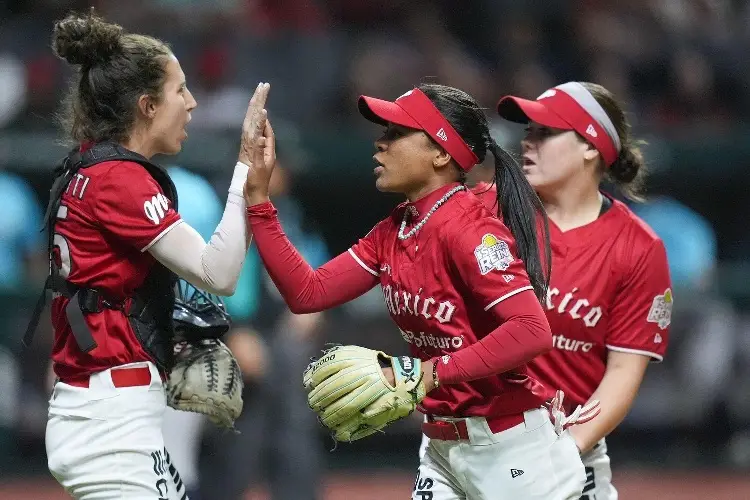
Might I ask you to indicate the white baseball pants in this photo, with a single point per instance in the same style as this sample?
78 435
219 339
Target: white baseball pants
105 442
528 461
598 474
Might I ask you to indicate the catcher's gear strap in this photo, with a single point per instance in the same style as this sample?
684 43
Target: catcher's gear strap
91 300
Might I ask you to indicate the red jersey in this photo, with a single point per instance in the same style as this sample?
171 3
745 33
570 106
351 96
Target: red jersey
110 214
487 193
609 290
440 285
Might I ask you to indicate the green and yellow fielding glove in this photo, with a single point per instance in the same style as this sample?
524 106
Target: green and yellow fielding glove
349 392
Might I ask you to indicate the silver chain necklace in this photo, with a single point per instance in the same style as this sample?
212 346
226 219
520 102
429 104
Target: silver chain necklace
421 223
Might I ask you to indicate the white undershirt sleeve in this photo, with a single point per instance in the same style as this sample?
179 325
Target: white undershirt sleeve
214 266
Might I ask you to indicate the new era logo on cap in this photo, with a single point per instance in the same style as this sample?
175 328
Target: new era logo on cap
547 93
591 131
514 473
443 136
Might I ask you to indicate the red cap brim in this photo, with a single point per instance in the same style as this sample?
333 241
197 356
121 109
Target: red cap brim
384 112
520 110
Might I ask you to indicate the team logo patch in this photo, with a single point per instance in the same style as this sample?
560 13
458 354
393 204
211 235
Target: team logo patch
493 254
661 310
156 208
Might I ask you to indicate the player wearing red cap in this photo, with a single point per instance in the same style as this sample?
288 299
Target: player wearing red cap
609 302
462 285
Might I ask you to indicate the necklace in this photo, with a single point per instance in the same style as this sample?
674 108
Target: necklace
421 223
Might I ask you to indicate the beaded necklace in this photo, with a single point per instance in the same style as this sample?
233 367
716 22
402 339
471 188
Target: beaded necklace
420 224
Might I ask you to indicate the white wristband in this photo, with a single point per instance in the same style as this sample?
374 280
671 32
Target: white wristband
238 179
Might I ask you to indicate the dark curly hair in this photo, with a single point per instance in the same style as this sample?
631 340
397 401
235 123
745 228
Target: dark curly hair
114 68
628 172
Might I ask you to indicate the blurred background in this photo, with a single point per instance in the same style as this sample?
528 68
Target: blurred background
680 67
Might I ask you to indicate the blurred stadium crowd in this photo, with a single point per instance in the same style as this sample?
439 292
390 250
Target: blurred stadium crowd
679 65
676 62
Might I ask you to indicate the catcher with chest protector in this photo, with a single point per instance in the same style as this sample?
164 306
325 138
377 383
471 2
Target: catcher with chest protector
117 246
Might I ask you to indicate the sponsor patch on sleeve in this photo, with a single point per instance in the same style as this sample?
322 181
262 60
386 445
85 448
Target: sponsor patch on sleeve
493 254
661 310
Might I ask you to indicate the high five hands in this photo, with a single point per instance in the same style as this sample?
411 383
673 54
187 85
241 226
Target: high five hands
258 147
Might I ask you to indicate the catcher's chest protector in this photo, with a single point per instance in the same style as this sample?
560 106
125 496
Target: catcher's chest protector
151 312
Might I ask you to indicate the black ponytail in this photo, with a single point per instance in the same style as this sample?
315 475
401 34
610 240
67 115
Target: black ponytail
520 207
522 211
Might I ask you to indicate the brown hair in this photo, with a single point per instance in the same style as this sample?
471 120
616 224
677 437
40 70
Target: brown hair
629 169
115 69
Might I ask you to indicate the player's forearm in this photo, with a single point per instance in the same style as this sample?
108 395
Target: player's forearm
616 393
304 289
523 335
214 266
224 256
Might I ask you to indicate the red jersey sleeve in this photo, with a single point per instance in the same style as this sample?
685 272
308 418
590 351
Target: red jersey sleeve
304 289
484 255
131 205
642 308
365 251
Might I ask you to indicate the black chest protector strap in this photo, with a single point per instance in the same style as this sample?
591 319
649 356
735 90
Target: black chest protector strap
158 289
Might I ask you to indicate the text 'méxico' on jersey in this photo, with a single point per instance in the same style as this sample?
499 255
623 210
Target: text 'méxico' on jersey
609 291
440 286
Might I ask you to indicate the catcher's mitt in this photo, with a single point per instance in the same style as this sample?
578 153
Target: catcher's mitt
205 377
347 389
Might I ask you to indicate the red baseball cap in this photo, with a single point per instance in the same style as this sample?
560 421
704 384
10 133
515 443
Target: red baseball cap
569 106
415 110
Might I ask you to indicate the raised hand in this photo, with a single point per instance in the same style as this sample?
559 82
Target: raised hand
254 124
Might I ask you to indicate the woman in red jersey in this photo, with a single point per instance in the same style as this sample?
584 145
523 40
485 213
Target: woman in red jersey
117 242
609 301
462 286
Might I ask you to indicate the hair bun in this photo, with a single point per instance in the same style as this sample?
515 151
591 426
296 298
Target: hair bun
627 166
86 40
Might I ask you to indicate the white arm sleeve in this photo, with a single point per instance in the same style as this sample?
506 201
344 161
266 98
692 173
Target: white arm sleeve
214 266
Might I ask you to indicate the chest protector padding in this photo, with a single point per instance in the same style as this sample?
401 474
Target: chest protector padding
149 310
